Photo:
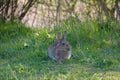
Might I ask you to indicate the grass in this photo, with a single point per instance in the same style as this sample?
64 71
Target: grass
95 52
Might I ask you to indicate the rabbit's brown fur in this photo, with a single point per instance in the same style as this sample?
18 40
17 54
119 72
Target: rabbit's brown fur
60 49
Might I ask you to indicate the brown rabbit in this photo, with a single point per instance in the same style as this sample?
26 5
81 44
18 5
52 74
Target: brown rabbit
60 49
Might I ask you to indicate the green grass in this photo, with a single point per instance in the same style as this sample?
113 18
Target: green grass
95 52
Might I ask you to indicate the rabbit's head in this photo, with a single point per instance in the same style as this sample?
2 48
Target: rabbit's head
62 44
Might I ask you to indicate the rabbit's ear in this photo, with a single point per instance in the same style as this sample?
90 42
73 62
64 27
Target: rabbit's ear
59 36
65 35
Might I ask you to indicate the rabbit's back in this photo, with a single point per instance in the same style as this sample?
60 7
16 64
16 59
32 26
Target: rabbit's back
51 52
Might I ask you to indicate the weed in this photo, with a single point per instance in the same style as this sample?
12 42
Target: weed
95 52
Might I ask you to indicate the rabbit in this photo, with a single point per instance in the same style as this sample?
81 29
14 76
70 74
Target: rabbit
60 50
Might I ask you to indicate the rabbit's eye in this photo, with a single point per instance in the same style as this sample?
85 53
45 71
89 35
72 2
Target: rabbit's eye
63 43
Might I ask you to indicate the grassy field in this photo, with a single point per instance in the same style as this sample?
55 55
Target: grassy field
95 52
